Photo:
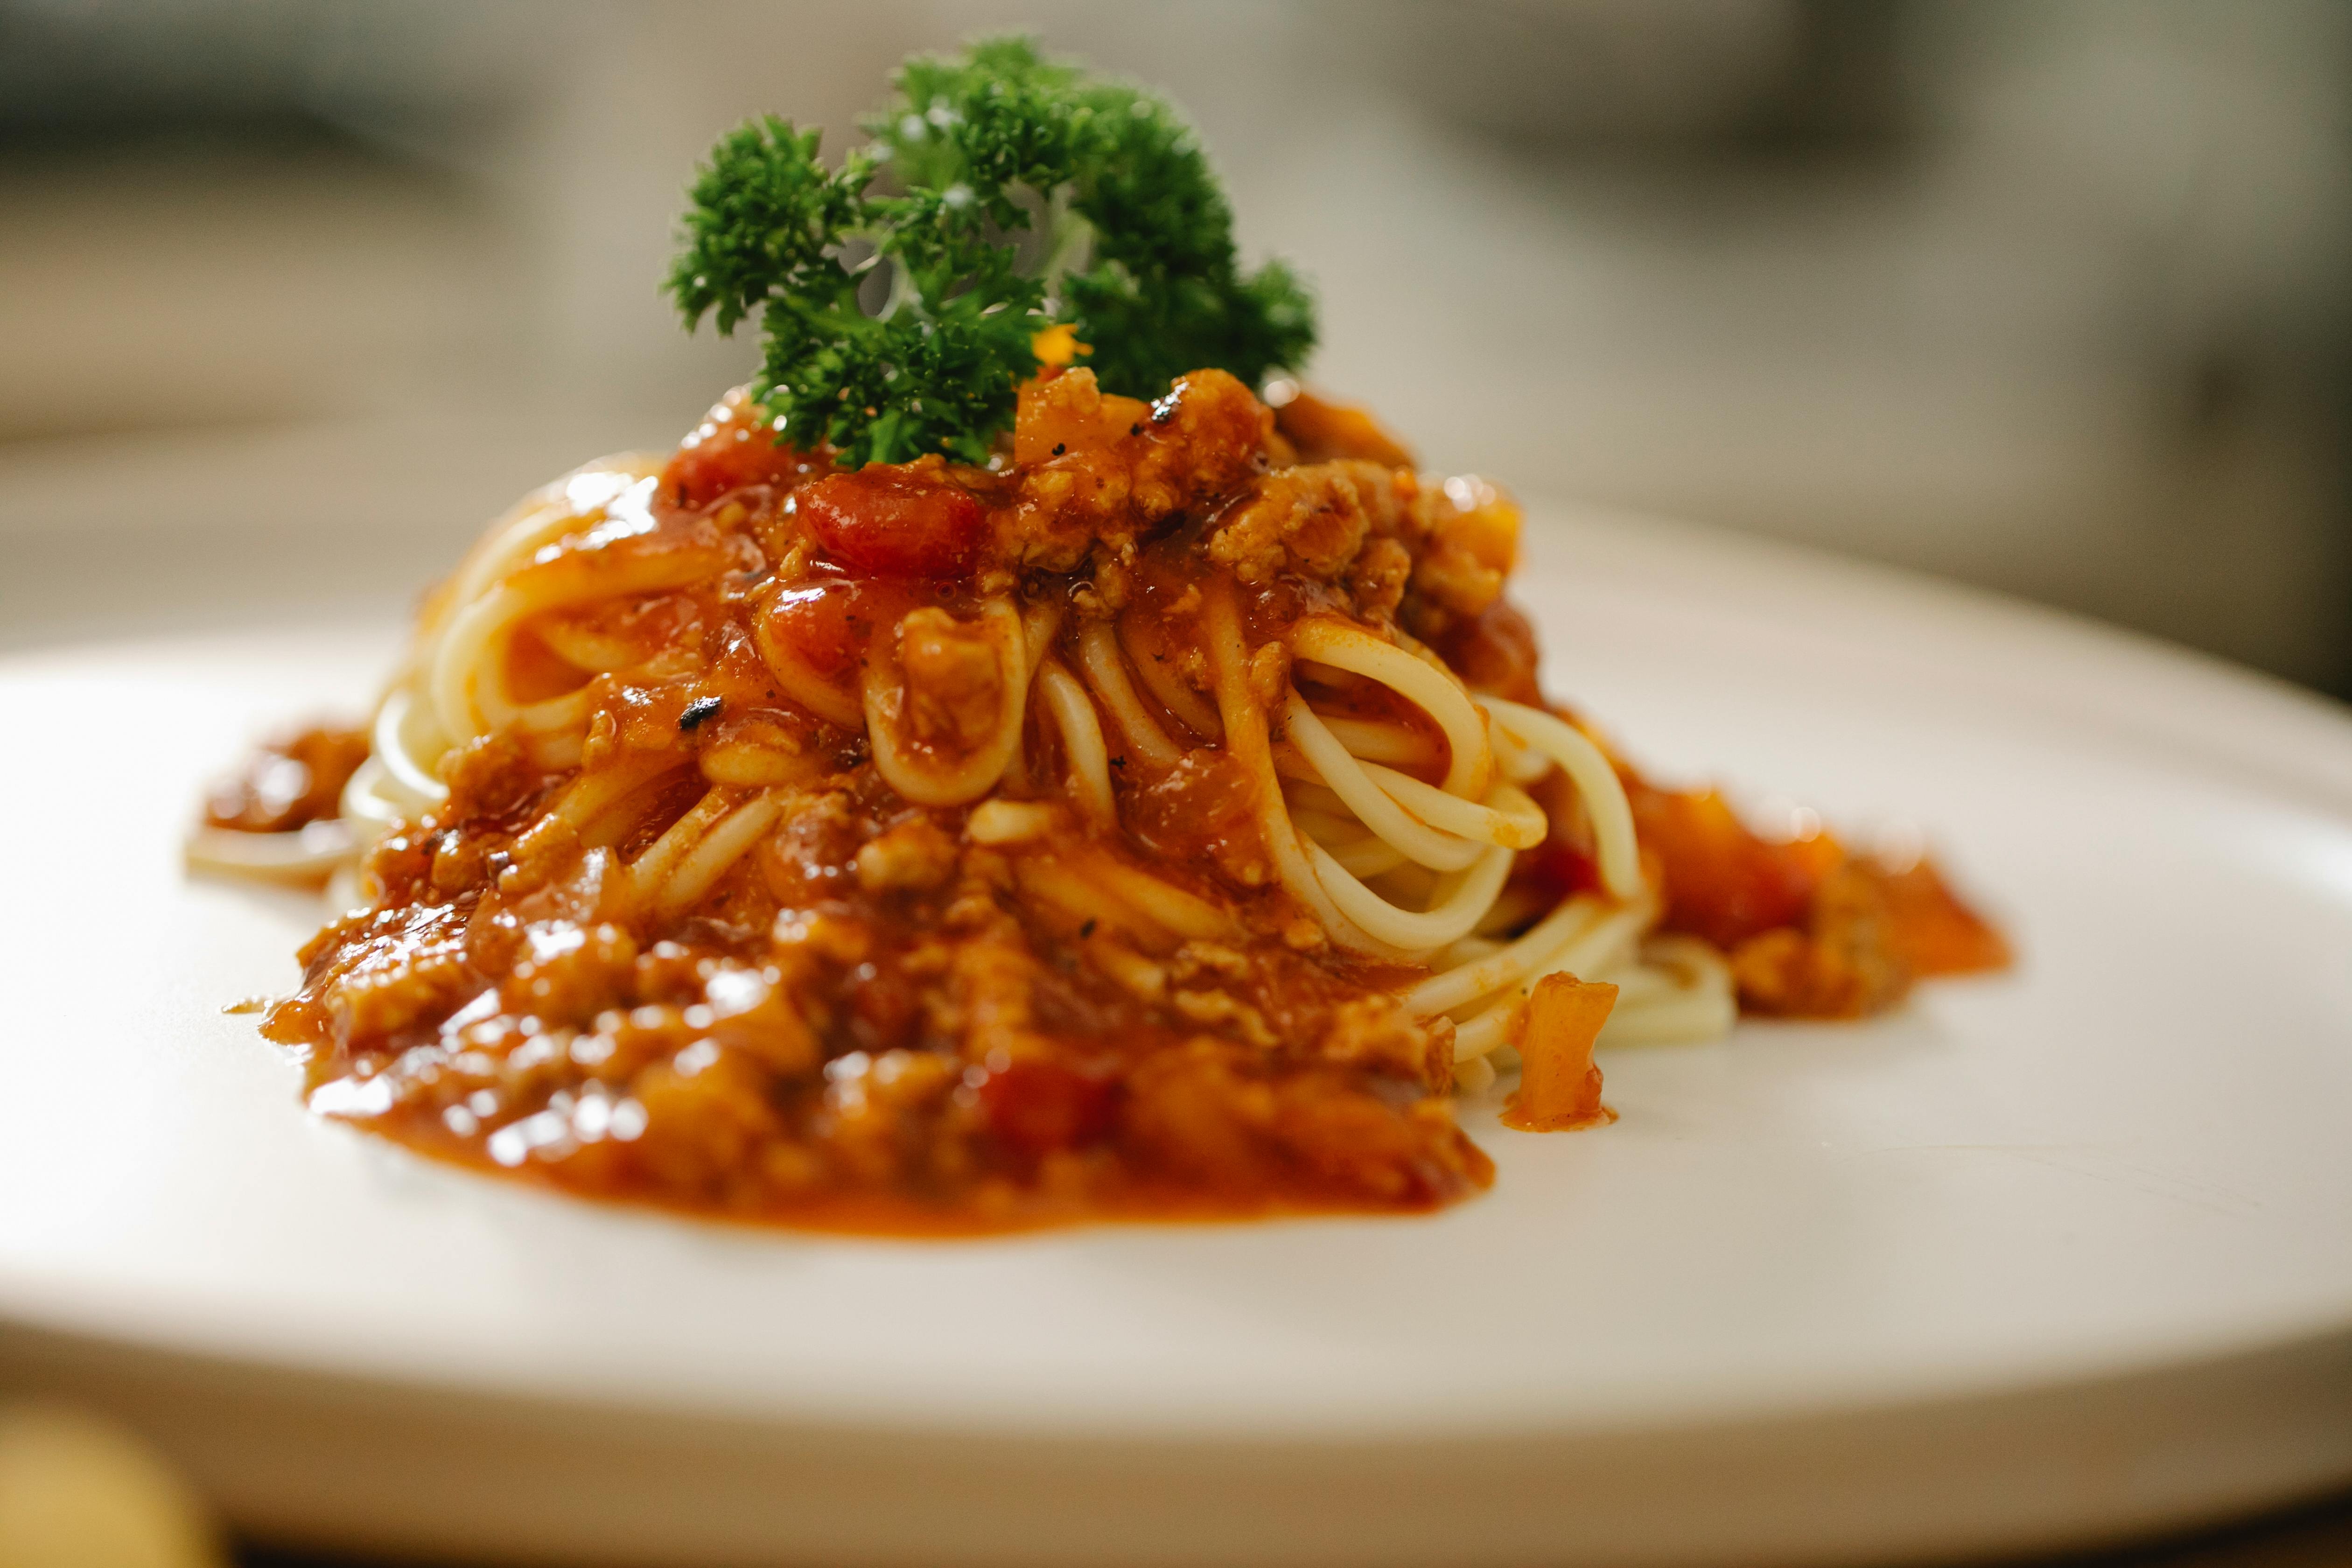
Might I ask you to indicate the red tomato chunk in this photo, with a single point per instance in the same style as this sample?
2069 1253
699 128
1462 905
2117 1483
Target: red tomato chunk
1038 1106
891 524
731 451
827 624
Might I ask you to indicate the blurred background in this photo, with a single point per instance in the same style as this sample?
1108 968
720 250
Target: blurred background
2049 297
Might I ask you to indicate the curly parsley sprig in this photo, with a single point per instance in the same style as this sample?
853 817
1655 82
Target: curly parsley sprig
1003 193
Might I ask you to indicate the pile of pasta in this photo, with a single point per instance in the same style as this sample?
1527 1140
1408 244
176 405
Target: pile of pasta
1165 815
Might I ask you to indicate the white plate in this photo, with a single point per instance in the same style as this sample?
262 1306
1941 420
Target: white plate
2042 1259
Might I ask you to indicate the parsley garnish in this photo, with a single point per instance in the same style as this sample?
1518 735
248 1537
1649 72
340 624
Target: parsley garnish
1003 193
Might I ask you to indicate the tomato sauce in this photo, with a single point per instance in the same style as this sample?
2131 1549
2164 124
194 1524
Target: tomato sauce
875 1014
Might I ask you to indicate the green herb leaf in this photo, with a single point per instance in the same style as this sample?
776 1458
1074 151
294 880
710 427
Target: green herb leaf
764 216
1135 251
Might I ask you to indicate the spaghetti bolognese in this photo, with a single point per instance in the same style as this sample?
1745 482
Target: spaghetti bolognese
1144 805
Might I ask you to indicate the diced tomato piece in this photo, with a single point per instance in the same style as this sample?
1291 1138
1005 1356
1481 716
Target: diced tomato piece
1722 882
1037 1107
1560 870
886 522
731 450
827 624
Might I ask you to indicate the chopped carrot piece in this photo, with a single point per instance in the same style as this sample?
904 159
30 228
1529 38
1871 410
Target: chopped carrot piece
1934 929
1559 1088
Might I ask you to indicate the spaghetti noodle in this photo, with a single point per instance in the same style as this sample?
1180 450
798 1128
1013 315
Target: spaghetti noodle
1177 845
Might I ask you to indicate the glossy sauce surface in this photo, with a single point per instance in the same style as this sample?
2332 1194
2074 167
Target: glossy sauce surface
895 1016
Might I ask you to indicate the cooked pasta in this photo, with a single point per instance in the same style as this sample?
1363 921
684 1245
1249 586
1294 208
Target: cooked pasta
1178 853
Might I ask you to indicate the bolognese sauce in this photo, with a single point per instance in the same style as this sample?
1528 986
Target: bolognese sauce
1163 820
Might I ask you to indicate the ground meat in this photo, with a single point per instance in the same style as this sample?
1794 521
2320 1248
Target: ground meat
954 689
1841 963
706 1113
1376 581
1467 536
1375 1031
1309 521
811 852
373 974
570 970
290 782
1109 482
915 853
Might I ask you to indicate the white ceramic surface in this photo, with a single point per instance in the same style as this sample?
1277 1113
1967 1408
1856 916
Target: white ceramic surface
2041 1258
